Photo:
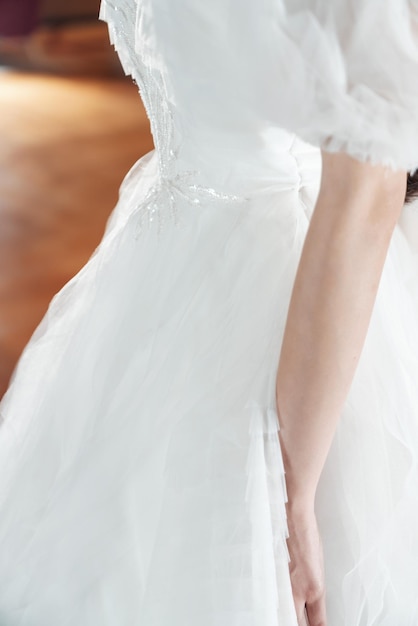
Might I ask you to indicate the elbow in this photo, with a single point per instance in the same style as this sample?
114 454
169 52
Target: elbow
373 195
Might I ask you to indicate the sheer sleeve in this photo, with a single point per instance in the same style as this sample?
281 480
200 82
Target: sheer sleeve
351 74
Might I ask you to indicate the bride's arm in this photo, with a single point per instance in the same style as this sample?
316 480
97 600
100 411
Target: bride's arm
330 309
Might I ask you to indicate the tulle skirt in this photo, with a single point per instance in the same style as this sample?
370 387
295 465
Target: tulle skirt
141 476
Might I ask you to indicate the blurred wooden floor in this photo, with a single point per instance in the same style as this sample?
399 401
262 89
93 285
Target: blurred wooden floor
65 145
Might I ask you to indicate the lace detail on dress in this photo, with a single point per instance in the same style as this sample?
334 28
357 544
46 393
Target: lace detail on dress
124 18
121 19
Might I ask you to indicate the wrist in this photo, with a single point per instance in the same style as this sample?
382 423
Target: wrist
300 505
300 498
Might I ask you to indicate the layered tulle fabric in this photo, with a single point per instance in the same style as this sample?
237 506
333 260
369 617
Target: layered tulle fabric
141 476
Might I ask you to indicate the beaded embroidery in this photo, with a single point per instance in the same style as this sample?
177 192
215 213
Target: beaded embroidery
166 193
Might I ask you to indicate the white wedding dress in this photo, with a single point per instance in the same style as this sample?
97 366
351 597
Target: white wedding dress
141 477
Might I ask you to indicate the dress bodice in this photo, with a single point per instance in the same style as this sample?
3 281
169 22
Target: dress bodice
250 90
206 120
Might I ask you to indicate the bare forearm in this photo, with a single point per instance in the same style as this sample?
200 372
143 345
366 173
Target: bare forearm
329 313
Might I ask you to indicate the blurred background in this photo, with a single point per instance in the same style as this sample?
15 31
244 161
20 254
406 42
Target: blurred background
71 125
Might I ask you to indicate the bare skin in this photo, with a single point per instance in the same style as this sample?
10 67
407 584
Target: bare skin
333 296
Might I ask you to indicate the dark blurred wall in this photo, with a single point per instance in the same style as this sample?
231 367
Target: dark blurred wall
21 17
59 36
18 17
63 10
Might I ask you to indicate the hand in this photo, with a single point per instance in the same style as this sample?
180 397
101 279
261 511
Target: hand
306 568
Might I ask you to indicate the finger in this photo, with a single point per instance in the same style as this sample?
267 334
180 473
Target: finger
316 612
